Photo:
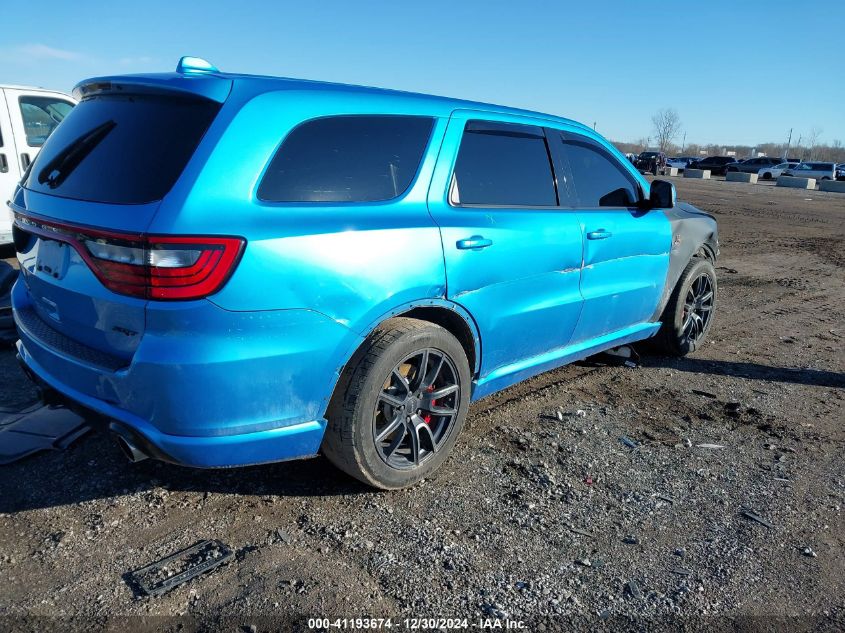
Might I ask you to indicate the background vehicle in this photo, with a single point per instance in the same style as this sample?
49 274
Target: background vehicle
681 162
767 173
326 248
716 164
645 160
817 170
840 171
27 117
753 165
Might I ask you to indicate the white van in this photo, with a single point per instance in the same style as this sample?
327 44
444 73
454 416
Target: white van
27 117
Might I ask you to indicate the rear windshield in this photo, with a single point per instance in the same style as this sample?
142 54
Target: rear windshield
123 149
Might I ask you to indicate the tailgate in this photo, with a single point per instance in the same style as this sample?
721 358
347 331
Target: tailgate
85 206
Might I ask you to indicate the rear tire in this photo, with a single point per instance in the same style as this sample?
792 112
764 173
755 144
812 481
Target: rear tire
767 176
689 314
407 376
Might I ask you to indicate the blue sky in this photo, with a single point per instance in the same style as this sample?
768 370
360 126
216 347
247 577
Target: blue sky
612 63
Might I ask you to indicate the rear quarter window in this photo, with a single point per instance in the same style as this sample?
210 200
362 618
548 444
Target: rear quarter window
356 158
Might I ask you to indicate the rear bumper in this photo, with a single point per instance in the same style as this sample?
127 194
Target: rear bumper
206 387
243 449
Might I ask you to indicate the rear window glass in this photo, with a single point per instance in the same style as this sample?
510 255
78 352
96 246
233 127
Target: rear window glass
501 164
121 149
347 159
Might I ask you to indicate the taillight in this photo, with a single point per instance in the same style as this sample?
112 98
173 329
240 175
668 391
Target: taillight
149 266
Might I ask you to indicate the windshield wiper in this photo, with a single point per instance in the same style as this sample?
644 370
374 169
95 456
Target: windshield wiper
57 170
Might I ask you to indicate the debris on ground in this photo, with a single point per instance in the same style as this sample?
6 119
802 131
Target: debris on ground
710 446
627 441
170 572
748 514
665 498
633 589
706 394
623 356
808 551
579 531
35 428
680 571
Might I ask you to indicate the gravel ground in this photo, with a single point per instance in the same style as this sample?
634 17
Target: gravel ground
555 522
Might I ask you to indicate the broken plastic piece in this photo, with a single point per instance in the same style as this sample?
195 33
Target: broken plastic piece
627 441
713 446
169 572
579 531
748 514
680 571
633 589
706 394
37 428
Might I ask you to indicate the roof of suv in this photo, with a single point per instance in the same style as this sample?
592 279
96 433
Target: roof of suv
254 85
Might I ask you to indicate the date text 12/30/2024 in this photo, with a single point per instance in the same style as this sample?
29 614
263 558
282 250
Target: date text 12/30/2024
415 624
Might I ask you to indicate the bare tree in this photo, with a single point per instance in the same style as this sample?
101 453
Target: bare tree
813 139
667 126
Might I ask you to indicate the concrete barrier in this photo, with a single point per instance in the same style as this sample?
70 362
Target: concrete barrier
796 183
670 171
697 173
738 176
832 185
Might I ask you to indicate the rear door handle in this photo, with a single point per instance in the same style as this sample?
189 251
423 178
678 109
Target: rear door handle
4 164
475 243
601 234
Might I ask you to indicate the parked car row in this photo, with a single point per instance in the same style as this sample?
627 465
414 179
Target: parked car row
768 173
767 168
717 165
753 165
814 169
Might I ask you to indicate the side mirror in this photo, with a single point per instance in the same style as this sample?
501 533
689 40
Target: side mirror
661 195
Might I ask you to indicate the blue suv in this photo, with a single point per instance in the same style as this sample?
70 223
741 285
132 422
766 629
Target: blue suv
232 269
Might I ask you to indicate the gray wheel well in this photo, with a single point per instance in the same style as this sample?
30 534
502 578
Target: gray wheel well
451 321
706 252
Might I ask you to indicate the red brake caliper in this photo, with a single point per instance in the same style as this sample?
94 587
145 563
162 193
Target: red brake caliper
427 416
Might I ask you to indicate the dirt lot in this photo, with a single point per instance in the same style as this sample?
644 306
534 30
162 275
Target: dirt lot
534 518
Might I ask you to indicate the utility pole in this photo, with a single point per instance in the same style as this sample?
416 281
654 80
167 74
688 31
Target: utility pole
786 151
683 143
594 126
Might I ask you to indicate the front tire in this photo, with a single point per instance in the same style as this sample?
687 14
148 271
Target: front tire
689 314
400 405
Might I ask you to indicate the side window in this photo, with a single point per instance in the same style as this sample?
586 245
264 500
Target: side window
599 179
347 159
501 164
41 115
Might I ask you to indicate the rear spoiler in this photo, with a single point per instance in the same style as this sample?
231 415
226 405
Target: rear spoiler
206 85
